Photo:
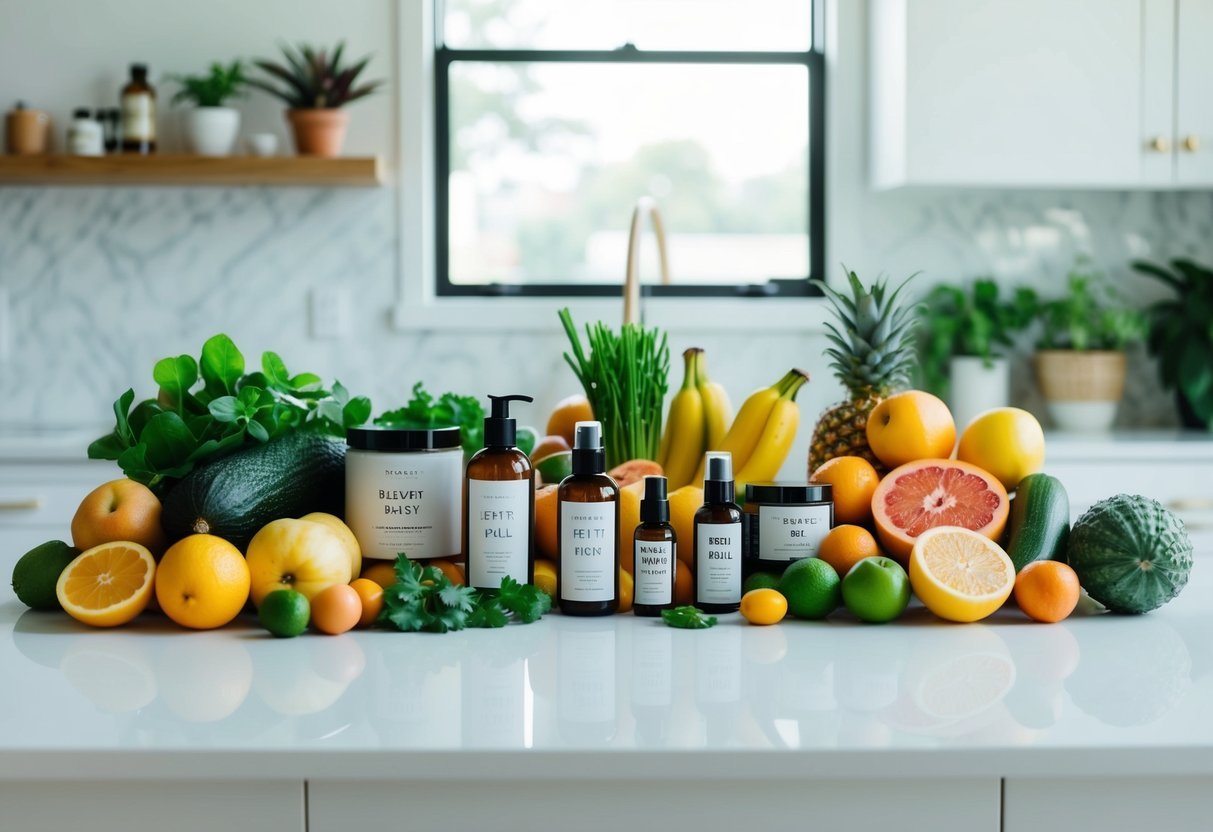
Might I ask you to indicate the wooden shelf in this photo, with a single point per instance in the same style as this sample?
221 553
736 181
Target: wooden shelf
163 169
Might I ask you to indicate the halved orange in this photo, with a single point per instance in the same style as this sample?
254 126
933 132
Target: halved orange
960 575
107 585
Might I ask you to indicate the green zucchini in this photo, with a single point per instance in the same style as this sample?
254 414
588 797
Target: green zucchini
233 497
1040 521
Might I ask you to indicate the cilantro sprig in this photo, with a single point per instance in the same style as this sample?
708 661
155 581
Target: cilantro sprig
423 599
688 618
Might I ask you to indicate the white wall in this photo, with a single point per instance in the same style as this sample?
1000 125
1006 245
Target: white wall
102 281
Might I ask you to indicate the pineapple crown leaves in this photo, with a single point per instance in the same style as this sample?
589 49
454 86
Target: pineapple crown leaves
870 349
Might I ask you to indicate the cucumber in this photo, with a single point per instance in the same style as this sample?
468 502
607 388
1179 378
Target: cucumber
1040 521
235 496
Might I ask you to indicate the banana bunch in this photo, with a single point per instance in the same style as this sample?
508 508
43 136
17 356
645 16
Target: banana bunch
698 421
763 432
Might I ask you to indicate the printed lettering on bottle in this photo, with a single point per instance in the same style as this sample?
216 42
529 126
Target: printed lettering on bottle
499 516
787 533
654 563
718 563
587 551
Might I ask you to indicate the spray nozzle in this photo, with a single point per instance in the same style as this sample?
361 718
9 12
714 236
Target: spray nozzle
500 430
655 507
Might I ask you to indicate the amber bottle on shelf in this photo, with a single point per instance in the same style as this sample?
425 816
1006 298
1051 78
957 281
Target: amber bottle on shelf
138 107
587 524
717 558
654 551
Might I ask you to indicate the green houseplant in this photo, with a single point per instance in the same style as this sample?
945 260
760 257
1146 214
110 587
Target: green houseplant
210 127
315 85
1080 359
1181 338
962 333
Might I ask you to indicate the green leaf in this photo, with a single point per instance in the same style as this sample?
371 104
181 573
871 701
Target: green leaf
222 365
275 370
175 377
526 601
258 431
168 440
458 597
488 614
122 408
687 618
356 412
225 408
107 447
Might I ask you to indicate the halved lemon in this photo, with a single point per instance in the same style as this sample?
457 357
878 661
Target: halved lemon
107 585
960 575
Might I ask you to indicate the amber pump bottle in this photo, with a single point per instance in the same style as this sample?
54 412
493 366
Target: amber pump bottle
138 100
499 504
717 558
654 550
587 524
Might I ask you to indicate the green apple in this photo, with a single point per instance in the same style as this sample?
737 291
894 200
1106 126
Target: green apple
876 590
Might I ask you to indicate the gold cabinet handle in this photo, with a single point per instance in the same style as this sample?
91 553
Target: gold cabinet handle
19 504
1160 144
1192 143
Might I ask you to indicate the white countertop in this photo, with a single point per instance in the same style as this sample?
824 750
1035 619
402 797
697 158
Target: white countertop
619 697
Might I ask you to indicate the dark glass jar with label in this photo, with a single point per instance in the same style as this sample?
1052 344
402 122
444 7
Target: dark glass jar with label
784 522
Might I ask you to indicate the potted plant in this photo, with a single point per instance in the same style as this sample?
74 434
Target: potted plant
1080 360
210 127
315 85
962 334
1181 338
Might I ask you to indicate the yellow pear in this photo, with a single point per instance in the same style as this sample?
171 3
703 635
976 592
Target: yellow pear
302 555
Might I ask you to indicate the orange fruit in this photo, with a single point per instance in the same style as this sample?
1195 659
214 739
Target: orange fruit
547 543
960 575
545 576
107 585
1047 590
763 606
548 445
684 502
336 609
684 584
1007 442
119 510
909 426
627 590
936 492
566 415
382 572
846 545
854 481
202 582
634 470
629 519
371 596
453 571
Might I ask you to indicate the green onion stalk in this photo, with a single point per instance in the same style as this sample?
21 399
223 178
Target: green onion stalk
625 376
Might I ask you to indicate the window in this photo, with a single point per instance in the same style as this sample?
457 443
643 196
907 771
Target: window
555 116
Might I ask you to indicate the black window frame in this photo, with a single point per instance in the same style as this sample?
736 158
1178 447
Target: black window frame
814 62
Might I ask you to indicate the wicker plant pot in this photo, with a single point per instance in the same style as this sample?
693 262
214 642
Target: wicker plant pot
1081 389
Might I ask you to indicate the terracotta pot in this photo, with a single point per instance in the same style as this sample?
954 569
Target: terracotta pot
1081 388
318 132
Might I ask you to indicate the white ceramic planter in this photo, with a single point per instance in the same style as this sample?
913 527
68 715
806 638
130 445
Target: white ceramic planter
211 131
976 387
1081 389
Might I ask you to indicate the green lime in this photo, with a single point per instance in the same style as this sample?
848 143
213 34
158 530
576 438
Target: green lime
876 589
555 467
760 580
526 439
285 612
811 587
35 575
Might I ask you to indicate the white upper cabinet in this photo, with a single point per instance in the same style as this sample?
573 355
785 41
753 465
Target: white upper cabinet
1042 93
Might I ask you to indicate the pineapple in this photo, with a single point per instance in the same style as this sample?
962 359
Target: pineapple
872 355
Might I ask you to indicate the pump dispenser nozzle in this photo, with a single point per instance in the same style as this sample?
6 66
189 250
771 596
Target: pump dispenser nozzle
500 430
718 486
655 507
589 457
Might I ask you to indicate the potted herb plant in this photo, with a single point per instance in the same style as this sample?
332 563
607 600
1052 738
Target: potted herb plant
315 85
1181 338
962 333
210 127
1080 360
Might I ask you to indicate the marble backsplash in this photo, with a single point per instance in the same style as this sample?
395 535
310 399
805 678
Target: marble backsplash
101 282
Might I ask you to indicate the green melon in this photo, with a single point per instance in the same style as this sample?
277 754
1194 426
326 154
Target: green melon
1130 553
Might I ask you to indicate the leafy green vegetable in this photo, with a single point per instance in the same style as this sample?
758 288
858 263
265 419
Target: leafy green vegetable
424 600
161 440
450 410
688 618
1087 317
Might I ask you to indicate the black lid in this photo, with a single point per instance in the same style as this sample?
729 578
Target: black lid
138 69
368 438
789 492
655 506
589 456
501 431
82 112
718 486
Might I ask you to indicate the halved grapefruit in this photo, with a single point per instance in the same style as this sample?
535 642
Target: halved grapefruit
926 493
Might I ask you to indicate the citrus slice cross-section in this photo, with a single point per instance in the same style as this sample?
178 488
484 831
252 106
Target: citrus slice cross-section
107 585
960 575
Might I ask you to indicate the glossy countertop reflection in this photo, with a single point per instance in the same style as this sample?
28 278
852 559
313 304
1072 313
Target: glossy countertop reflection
568 696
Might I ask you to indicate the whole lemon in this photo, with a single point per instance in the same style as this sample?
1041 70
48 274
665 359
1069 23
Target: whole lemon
1007 442
202 582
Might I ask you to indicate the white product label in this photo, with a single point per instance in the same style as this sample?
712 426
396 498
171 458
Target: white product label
654 563
788 533
499 527
587 551
718 563
138 117
407 502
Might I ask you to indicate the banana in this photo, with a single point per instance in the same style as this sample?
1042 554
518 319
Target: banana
776 441
682 443
717 409
747 428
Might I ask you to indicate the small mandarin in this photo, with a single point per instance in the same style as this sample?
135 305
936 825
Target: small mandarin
371 595
1047 590
846 545
763 606
854 481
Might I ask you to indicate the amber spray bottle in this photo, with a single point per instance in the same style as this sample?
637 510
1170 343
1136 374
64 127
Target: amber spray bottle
717 558
655 553
587 525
